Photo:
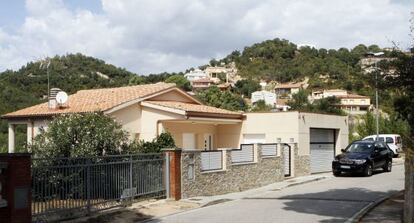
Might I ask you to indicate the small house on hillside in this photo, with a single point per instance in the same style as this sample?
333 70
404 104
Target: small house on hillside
353 104
287 89
202 84
195 75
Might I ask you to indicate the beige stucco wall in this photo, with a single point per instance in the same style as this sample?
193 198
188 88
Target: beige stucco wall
312 120
274 125
130 119
149 122
177 130
34 128
229 136
296 125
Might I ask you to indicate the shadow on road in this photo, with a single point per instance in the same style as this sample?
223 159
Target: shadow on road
335 203
339 204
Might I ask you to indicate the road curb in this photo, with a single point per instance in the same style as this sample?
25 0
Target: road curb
231 200
361 213
305 182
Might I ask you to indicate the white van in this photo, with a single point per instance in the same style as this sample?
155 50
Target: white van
393 140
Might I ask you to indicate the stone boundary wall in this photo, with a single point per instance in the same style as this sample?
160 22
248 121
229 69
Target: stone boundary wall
232 178
301 164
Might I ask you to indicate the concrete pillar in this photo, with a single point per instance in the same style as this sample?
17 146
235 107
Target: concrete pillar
29 132
12 137
174 173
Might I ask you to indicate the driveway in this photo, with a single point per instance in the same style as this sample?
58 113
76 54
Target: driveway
331 200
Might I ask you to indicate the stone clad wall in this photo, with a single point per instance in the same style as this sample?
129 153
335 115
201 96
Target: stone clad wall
301 164
234 178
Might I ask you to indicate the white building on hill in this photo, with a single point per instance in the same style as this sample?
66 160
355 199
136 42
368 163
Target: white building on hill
268 97
195 75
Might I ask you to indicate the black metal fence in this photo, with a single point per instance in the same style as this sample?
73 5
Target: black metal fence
72 187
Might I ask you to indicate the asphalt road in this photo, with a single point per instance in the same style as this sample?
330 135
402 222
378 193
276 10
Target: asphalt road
331 200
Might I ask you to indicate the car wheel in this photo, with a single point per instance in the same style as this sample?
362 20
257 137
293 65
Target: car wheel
387 166
336 173
368 171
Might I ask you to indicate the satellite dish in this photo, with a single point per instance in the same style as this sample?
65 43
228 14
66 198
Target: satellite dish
61 97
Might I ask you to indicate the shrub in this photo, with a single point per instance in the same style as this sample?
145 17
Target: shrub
77 135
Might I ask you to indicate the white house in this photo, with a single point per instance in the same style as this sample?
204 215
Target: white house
268 97
195 75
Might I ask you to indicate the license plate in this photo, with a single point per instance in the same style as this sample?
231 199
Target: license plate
345 167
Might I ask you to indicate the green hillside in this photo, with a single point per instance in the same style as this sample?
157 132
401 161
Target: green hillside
278 60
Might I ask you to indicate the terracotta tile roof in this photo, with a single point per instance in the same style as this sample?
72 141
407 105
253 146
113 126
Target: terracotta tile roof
188 107
203 80
93 100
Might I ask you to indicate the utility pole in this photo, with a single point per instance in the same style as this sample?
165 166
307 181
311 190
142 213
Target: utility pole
376 91
376 99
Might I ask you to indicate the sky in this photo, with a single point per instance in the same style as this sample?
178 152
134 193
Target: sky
148 36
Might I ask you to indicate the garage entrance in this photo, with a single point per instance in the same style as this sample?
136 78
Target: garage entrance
322 149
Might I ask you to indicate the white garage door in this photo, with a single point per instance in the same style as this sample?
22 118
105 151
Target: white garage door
254 138
322 149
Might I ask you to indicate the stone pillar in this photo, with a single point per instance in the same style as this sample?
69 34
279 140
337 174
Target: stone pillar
174 172
12 128
15 180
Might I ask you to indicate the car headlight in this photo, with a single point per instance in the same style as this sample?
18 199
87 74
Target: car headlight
359 161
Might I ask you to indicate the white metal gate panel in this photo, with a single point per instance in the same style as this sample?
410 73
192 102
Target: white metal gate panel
269 149
211 160
322 149
321 157
244 155
287 160
322 135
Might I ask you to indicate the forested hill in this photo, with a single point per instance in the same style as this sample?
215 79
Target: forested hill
282 61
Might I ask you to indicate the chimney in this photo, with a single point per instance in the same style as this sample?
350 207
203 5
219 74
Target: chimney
52 104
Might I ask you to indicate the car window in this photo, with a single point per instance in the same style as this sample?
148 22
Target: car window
397 140
369 139
389 140
360 148
381 146
381 139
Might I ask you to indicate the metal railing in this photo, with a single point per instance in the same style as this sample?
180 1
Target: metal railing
65 188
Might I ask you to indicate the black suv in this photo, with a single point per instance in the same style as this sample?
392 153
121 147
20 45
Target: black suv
363 157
